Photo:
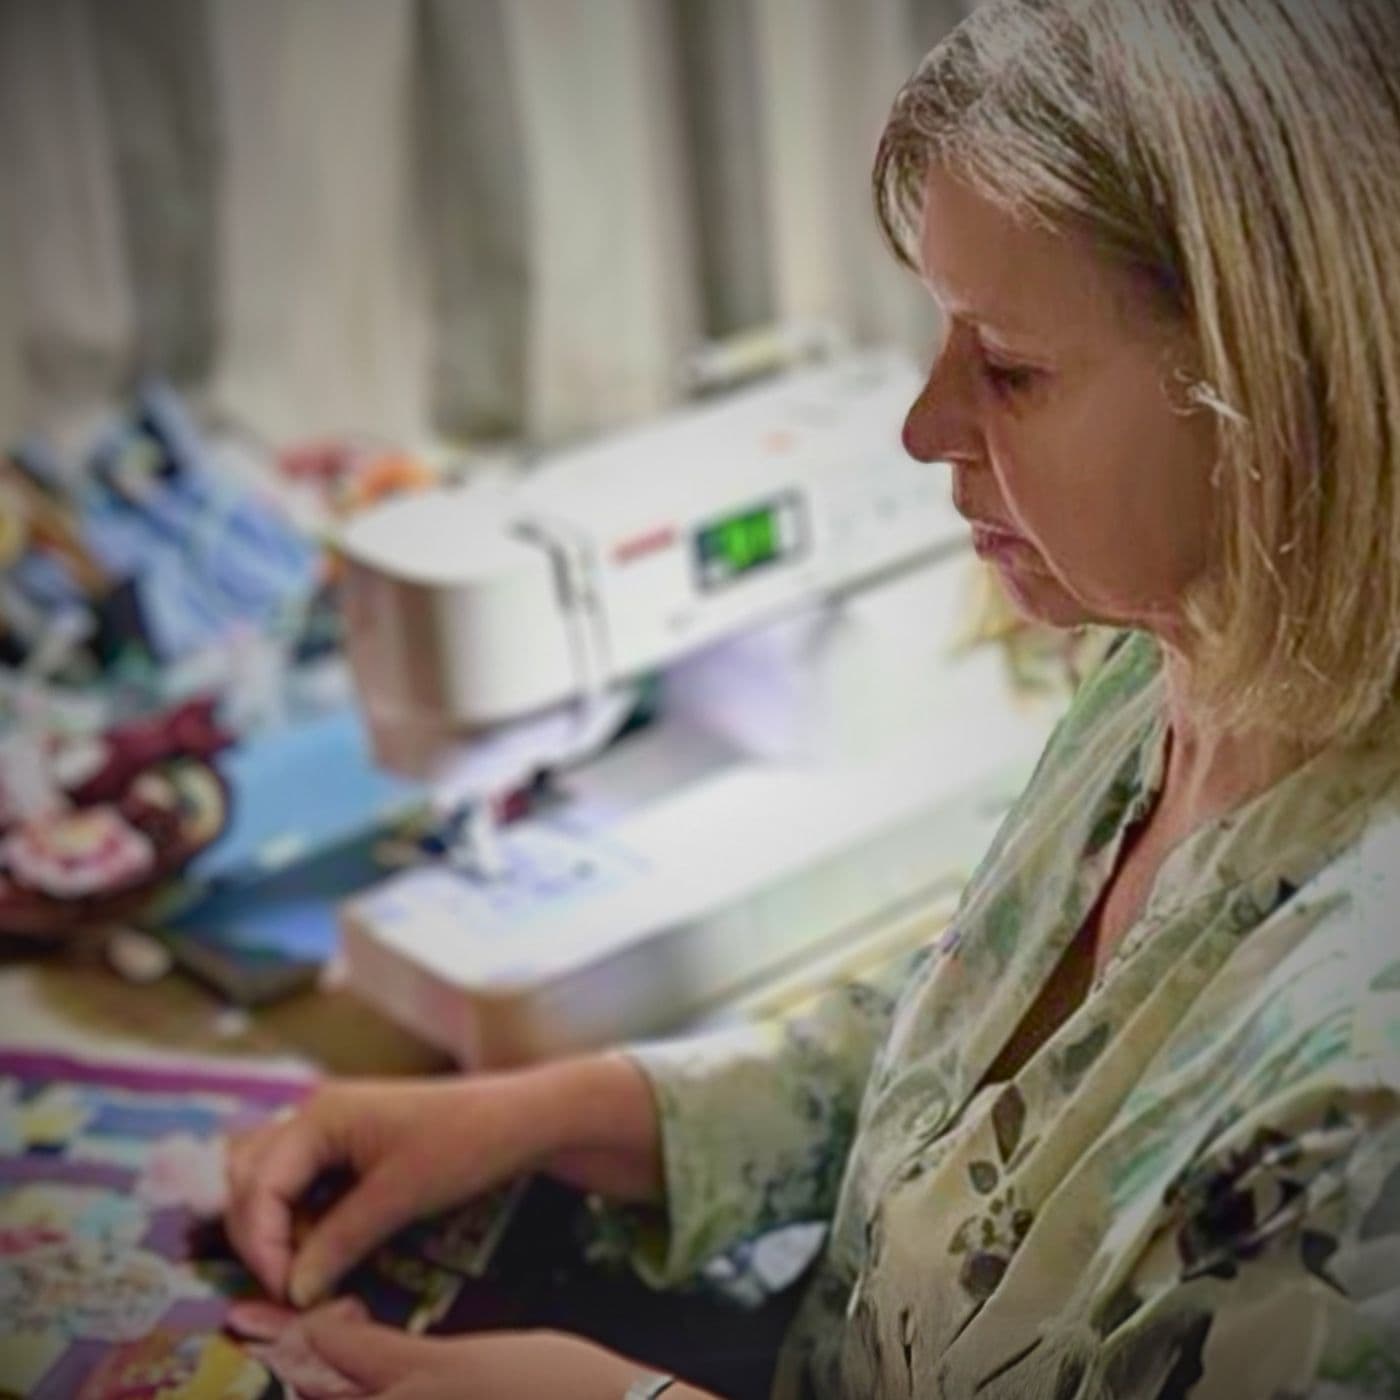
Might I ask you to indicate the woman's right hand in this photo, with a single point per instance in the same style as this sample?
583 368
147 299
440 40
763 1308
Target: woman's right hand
412 1149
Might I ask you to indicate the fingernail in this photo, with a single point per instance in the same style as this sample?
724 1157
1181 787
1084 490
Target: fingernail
303 1291
258 1320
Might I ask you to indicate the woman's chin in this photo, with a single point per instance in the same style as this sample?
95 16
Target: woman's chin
1039 597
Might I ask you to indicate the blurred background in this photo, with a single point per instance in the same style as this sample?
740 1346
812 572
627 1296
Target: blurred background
264 263
462 219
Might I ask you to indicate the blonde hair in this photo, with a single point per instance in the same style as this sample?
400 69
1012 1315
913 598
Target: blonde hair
1243 158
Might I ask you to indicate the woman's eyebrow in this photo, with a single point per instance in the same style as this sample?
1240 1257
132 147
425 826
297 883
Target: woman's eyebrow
985 318
981 314
1007 334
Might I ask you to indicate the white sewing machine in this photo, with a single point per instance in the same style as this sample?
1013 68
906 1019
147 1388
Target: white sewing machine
781 582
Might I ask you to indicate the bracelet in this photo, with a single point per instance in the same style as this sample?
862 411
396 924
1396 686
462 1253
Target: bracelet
649 1386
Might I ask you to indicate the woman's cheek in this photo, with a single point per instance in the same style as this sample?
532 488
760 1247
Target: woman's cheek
1021 491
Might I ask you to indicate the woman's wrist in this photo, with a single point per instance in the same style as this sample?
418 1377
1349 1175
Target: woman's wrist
593 1123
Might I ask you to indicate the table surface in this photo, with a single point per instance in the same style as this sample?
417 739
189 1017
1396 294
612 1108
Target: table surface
72 1001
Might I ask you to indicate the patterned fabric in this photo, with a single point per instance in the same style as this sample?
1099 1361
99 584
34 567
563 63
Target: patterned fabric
1191 1189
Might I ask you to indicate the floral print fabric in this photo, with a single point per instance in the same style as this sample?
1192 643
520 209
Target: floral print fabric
1192 1188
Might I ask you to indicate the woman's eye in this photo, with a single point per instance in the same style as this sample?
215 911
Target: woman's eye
1008 379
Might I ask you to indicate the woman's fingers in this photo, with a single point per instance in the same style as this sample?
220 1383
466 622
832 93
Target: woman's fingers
242 1155
274 1174
371 1211
241 1151
257 1320
373 1357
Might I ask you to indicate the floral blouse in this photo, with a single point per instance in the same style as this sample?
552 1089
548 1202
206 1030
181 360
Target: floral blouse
1191 1189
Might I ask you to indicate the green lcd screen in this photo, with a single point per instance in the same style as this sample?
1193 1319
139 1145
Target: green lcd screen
748 540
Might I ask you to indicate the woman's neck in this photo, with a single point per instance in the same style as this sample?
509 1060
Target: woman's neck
1212 770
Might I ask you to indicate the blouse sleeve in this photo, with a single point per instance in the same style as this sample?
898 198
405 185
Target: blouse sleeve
757 1122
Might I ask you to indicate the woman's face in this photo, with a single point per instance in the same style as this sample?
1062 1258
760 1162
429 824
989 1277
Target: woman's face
1089 488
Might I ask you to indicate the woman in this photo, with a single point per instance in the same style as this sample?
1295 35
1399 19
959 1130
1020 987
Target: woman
1132 1127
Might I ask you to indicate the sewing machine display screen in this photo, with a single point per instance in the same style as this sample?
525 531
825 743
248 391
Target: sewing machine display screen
736 545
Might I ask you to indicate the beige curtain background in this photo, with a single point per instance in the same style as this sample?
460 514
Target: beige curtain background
426 218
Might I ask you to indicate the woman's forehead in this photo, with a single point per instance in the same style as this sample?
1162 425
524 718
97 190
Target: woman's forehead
1011 279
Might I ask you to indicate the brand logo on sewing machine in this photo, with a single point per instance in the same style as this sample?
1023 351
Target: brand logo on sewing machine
636 547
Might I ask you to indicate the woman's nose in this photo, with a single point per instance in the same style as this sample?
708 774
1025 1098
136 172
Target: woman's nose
941 423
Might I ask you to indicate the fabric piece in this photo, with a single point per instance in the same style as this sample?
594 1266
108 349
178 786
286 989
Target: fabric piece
71 855
185 1172
81 1289
1189 1190
202 558
169 1364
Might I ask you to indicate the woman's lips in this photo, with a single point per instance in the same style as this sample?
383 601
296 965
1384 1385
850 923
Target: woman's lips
991 541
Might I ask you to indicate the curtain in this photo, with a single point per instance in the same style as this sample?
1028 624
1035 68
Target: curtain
428 219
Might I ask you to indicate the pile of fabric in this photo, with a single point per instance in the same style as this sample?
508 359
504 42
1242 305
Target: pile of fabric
156 597
91 827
